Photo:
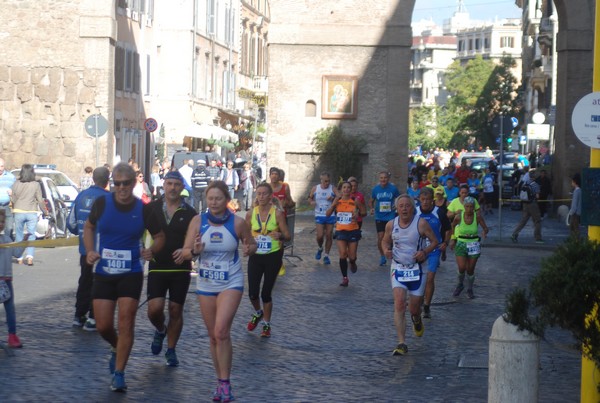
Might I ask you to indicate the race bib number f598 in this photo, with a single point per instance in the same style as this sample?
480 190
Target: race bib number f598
213 271
116 261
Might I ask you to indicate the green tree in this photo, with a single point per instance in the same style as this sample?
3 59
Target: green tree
481 90
339 152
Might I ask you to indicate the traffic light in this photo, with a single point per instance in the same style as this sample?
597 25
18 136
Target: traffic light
509 140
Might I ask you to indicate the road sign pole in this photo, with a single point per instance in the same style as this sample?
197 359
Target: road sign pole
97 146
500 178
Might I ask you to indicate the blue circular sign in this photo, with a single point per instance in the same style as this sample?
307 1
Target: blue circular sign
515 122
150 124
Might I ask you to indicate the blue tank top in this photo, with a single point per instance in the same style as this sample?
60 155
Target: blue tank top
433 219
119 238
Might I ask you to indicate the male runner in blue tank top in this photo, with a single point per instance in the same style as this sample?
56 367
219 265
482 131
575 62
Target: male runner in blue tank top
382 205
117 222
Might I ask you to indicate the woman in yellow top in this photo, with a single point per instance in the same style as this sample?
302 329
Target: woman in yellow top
465 243
347 210
269 229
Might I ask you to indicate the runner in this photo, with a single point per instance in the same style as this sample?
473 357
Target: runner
382 205
456 205
321 196
359 197
466 246
118 221
214 237
439 223
348 232
269 230
402 242
169 271
281 190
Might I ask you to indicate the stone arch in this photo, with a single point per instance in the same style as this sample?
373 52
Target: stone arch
372 39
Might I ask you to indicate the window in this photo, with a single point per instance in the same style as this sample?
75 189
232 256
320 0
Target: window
129 70
119 67
310 109
486 43
477 44
211 11
147 81
507 42
461 45
137 79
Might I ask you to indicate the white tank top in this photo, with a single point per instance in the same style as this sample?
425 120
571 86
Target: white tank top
320 197
406 241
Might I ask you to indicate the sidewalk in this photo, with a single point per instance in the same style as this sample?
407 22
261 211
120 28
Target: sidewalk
329 343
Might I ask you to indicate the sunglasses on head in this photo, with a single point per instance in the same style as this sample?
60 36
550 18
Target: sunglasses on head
122 183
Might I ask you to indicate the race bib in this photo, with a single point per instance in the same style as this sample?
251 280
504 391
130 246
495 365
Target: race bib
344 218
116 261
385 206
213 271
264 244
405 273
472 190
473 248
322 208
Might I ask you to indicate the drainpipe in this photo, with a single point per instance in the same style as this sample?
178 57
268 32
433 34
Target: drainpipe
194 56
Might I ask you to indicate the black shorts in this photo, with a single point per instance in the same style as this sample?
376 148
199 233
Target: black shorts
488 197
117 286
349 236
380 225
177 283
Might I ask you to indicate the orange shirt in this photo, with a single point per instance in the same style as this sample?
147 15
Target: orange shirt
345 210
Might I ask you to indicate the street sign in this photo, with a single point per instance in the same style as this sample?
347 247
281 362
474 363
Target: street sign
150 124
502 125
538 132
586 120
515 122
96 125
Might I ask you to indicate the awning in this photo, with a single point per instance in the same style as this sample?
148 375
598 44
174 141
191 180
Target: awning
208 132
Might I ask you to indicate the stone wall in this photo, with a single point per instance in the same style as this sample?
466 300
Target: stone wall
367 39
56 71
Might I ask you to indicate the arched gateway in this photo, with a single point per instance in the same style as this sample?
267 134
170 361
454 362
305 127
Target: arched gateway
316 44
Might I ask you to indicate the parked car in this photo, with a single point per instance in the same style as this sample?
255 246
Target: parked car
55 223
508 160
68 189
180 156
480 164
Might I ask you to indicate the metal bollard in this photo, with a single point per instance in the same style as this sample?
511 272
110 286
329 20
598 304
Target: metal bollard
513 364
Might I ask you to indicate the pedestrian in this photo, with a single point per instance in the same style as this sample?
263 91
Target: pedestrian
529 195
156 182
200 179
169 271
466 244
141 190
435 184
231 178
270 230
186 171
119 221
488 192
26 197
7 179
575 210
545 191
214 172
451 190
359 197
474 184
82 206
321 197
86 180
439 223
413 190
347 210
402 243
214 237
384 209
7 291
247 184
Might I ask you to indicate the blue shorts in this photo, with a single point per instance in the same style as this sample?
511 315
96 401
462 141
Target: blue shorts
348 236
325 220
433 261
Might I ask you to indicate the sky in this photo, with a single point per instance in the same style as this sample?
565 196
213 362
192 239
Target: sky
486 10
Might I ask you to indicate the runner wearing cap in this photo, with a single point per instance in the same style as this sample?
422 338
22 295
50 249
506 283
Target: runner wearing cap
200 179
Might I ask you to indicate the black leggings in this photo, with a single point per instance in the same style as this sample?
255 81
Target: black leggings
266 265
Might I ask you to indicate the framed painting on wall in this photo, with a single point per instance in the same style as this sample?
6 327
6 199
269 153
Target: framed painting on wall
339 97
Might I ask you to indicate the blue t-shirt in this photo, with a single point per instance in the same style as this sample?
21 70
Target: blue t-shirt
384 198
82 206
451 194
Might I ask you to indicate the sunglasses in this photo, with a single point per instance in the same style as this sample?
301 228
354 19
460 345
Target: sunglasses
122 183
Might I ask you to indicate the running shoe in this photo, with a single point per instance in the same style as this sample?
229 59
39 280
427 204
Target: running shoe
266 332
319 253
344 282
157 342
418 327
226 393
79 321
171 357
382 261
256 317
353 267
282 270
513 238
112 361
400 349
470 294
458 290
326 260
427 311
90 325
118 382
217 393
13 341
